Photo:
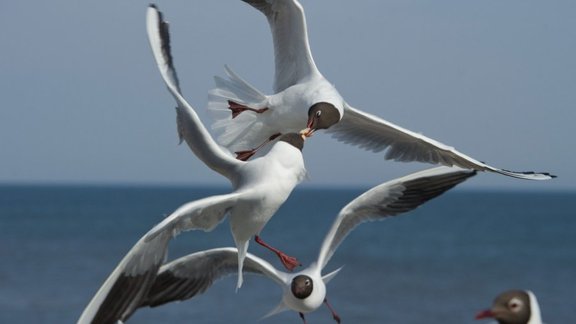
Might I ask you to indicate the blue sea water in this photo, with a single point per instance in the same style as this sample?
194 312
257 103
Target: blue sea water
438 264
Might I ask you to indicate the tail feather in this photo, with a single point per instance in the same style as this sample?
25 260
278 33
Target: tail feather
242 250
244 90
278 309
232 132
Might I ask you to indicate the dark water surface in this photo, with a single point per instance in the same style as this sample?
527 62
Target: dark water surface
439 264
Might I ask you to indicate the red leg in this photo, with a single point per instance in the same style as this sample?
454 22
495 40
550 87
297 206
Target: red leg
289 262
245 155
334 315
237 108
302 317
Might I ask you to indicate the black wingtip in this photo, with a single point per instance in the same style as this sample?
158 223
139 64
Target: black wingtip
546 174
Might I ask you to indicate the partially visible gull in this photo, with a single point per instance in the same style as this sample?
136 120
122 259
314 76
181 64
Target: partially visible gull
514 307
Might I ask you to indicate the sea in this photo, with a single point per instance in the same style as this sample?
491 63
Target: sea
441 263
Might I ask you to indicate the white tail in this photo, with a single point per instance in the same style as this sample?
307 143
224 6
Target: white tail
231 133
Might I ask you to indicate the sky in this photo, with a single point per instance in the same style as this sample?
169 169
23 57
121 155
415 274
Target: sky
81 100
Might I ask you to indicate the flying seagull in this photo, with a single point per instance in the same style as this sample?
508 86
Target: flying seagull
514 307
260 185
305 290
245 117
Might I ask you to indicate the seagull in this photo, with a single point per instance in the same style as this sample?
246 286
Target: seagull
514 307
303 97
260 185
303 291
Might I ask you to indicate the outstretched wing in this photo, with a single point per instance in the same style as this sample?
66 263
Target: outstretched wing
127 287
193 274
375 134
203 214
123 291
390 199
292 54
190 128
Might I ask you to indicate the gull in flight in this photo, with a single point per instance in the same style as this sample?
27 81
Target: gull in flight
245 117
305 290
261 186
514 307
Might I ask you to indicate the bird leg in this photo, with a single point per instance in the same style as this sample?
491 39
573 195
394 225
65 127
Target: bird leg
334 315
289 262
237 108
302 317
245 155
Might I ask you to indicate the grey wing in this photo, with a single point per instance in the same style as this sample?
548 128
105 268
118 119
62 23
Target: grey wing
390 199
127 286
376 134
193 274
292 55
123 291
190 127
203 214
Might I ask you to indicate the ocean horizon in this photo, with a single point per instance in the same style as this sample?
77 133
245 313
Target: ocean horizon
441 263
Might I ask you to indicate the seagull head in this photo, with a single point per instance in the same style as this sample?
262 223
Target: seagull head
304 291
321 115
294 139
510 307
302 286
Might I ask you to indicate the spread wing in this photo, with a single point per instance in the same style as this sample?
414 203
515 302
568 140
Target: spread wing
292 55
376 134
127 287
122 292
190 128
193 274
203 214
390 199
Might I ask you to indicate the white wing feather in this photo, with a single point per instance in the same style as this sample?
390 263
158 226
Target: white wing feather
390 199
190 127
203 214
292 55
376 134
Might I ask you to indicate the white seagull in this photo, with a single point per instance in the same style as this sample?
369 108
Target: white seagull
305 290
514 307
303 97
261 186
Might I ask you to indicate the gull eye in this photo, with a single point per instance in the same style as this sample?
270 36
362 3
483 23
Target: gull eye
515 304
318 113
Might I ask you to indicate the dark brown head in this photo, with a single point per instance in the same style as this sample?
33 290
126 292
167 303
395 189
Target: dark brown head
302 286
294 139
510 307
321 115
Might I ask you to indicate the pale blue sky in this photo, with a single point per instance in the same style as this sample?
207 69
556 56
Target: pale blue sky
81 100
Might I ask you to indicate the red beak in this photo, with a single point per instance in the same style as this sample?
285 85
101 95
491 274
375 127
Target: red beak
310 122
485 314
